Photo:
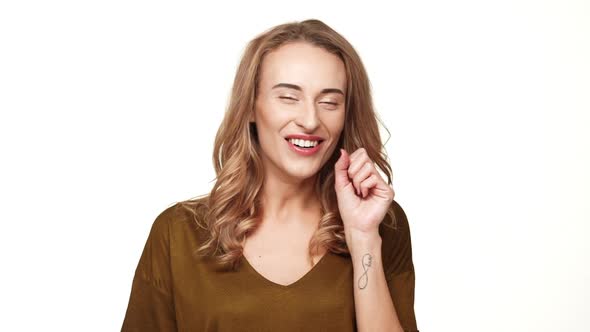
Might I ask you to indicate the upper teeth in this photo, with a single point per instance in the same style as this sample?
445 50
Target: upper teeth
303 143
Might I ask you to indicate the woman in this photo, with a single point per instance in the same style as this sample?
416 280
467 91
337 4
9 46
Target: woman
296 234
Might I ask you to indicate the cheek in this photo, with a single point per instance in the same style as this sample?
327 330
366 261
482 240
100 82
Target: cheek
270 122
275 117
335 122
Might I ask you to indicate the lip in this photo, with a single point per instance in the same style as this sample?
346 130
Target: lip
305 137
304 151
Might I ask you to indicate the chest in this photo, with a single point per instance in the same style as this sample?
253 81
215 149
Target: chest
281 258
244 300
286 293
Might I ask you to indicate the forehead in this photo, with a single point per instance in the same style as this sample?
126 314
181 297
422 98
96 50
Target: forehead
303 64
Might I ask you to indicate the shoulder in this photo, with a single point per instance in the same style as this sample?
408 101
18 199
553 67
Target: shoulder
165 219
395 222
396 240
175 218
171 231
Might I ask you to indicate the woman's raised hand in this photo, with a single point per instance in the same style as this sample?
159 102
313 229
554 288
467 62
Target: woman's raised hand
363 196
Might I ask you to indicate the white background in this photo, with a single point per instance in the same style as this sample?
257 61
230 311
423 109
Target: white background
109 110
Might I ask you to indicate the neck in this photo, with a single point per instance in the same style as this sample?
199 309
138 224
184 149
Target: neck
287 200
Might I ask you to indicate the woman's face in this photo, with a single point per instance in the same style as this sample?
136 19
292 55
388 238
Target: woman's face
301 92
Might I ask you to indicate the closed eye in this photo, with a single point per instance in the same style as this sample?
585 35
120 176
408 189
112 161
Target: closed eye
325 102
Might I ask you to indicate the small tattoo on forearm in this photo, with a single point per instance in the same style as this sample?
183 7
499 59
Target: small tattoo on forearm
364 278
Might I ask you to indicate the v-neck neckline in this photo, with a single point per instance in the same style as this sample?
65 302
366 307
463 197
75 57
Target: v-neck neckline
297 282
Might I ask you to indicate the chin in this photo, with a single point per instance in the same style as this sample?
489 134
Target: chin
303 175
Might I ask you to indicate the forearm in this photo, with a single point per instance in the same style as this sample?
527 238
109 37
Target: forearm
374 307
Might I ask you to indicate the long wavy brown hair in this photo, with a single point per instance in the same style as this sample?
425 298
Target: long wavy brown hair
232 209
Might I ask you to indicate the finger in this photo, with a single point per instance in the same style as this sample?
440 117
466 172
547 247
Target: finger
367 184
381 188
341 179
355 166
361 175
358 152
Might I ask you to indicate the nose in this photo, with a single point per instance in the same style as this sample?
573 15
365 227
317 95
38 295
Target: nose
308 117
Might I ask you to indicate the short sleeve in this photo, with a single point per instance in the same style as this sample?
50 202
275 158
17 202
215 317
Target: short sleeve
399 267
151 305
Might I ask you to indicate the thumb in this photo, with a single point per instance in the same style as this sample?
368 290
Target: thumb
341 170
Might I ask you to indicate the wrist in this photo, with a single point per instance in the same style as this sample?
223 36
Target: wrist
362 242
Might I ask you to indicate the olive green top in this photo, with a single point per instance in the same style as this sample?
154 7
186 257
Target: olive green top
174 290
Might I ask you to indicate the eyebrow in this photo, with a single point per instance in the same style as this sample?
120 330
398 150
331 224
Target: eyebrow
297 87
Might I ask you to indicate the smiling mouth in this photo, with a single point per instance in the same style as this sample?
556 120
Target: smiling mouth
301 144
